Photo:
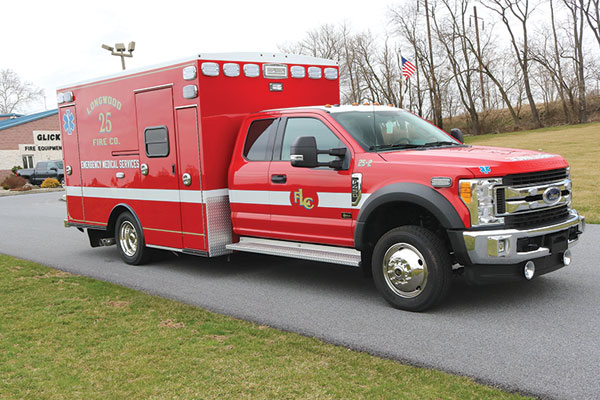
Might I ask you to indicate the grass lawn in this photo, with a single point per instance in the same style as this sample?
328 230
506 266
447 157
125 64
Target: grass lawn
579 145
66 336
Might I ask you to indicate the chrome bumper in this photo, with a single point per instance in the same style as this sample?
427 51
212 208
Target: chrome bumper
500 246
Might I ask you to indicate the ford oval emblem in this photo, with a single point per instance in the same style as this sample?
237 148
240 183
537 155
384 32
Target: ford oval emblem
551 195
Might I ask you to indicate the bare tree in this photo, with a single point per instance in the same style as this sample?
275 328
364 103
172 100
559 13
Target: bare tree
452 36
15 94
576 11
521 10
494 66
592 14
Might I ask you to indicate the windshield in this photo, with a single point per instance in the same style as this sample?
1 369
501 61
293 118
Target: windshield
391 130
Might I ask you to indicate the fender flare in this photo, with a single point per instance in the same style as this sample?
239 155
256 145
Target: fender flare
130 209
407 192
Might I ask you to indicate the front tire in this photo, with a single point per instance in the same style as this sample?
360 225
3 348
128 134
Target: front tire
129 237
411 268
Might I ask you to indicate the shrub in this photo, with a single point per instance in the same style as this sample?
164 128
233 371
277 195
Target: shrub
50 183
13 181
15 168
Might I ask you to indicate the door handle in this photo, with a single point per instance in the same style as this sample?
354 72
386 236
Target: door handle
187 179
278 178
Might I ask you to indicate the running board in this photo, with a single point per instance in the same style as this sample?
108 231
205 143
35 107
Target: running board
305 251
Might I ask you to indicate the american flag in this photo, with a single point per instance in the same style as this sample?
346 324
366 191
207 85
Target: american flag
408 68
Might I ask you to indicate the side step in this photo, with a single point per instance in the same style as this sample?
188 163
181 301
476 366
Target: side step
305 251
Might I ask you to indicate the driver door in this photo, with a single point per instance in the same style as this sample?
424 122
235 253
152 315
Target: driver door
309 204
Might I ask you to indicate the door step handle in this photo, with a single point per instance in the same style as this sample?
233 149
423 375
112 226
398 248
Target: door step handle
278 178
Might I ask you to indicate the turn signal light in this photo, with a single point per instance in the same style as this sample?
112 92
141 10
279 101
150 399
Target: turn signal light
465 192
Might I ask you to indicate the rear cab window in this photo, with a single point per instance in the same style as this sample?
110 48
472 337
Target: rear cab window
258 145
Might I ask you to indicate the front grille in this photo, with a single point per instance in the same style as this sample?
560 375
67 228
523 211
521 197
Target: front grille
537 218
536 178
500 201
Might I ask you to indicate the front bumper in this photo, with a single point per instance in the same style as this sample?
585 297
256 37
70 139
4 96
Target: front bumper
505 247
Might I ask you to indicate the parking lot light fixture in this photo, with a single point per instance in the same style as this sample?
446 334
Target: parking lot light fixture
119 50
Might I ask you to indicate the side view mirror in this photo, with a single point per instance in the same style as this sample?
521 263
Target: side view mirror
304 153
457 134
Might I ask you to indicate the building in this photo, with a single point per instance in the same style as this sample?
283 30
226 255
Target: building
27 139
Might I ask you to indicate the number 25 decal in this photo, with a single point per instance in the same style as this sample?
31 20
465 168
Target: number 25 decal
105 124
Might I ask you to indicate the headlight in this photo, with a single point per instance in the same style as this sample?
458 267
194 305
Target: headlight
478 196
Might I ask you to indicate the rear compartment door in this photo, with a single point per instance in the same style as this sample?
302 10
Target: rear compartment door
192 207
160 210
72 163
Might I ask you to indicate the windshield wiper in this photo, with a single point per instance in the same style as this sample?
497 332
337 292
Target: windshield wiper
441 143
395 146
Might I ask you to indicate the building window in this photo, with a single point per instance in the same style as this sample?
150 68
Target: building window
27 161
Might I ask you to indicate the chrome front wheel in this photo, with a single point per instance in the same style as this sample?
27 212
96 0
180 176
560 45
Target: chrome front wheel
405 270
411 268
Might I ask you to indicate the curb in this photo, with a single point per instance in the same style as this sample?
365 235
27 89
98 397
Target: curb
32 191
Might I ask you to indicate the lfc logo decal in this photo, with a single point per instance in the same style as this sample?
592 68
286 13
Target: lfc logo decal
306 202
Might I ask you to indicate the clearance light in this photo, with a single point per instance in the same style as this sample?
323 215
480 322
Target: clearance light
231 70
190 91
251 70
210 69
65 97
327 105
189 73
366 103
315 73
355 104
297 71
331 73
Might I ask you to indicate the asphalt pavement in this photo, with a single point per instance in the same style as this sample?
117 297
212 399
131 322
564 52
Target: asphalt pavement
540 338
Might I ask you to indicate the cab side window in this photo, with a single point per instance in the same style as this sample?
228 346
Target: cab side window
301 126
256 147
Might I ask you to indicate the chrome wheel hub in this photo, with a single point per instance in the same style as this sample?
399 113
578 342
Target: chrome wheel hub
128 238
405 270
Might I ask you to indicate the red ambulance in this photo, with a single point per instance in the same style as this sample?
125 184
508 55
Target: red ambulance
252 152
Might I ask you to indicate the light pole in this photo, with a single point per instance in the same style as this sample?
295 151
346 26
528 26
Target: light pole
119 50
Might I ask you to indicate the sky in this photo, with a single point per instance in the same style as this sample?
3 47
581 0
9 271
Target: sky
55 43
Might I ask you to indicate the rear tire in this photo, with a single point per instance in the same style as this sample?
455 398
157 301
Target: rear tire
129 237
411 268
